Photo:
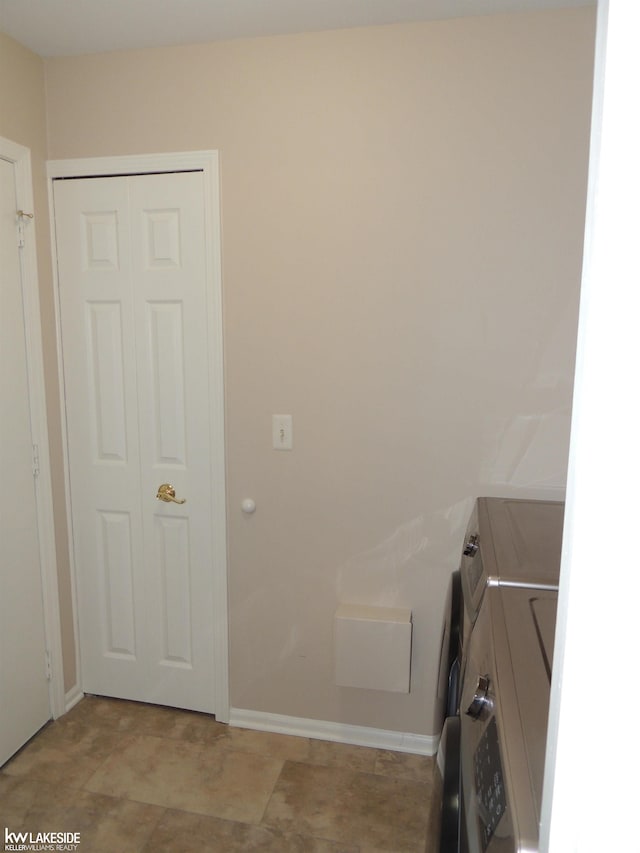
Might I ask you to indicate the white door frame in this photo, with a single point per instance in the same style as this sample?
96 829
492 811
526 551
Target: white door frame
20 156
207 162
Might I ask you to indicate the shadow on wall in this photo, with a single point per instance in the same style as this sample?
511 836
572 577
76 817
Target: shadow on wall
384 575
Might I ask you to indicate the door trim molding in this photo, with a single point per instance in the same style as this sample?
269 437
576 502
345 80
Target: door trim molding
20 156
207 162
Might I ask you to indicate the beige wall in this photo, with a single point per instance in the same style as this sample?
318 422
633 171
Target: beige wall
402 214
23 120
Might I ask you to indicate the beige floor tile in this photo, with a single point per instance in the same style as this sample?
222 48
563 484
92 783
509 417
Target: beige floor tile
330 754
182 832
181 725
105 824
285 747
133 777
65 752
104 712
403 765
64 809
350 807
142 718
124 827
195 777
17 795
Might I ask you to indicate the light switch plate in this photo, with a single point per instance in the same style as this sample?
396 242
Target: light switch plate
282 432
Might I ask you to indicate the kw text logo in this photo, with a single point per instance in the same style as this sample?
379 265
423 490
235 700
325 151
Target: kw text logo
40 841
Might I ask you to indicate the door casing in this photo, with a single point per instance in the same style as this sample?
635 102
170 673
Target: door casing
207 162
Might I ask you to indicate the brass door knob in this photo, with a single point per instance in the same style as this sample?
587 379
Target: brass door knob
167 493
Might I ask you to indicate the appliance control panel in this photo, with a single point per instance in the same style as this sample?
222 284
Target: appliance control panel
489 783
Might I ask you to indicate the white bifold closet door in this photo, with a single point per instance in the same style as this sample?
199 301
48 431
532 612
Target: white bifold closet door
132 277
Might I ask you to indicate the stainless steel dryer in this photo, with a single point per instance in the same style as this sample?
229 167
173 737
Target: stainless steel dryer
509 542
503 720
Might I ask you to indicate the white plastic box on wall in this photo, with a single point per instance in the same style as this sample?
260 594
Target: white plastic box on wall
373 647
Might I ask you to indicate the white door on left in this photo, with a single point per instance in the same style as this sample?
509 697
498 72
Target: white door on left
24 686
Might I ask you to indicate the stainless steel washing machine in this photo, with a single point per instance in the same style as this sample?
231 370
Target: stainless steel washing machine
503 719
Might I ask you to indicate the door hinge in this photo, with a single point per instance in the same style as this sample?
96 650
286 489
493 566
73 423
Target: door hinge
21 218
36 460
47 664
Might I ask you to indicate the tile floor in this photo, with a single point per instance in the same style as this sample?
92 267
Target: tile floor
135 778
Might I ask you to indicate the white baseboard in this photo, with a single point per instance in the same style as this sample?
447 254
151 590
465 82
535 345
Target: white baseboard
337 732
72 697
